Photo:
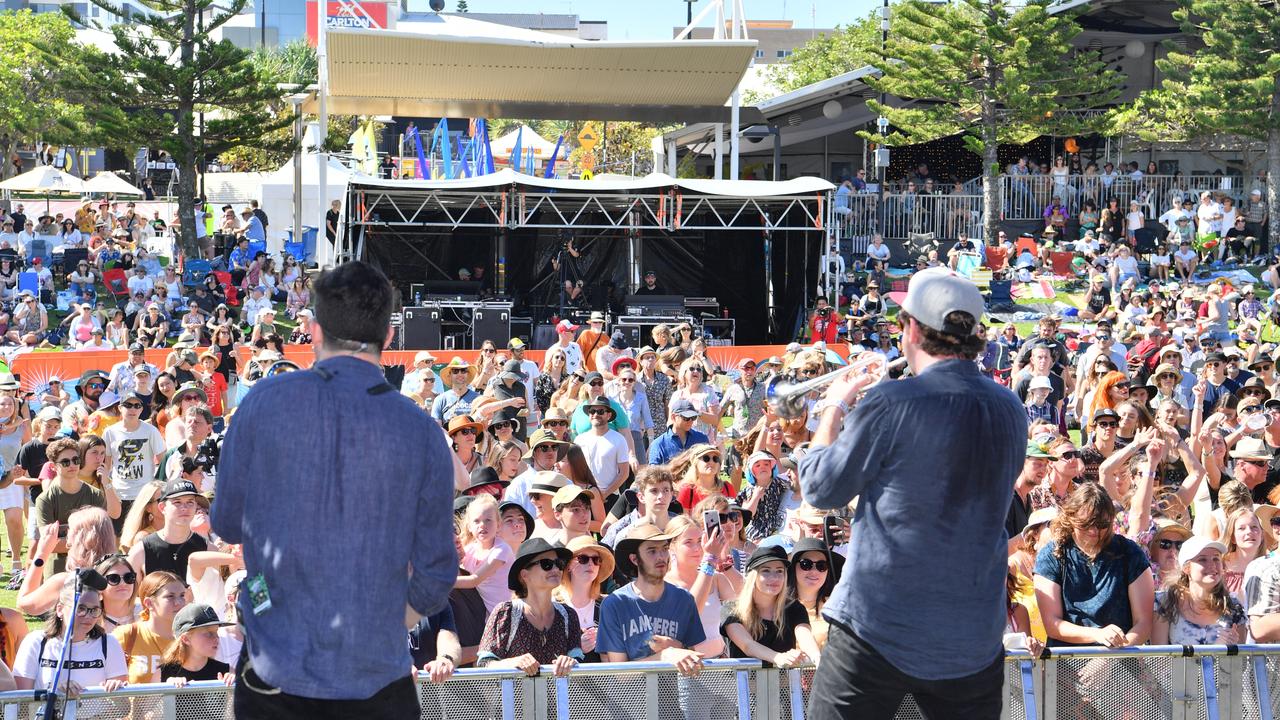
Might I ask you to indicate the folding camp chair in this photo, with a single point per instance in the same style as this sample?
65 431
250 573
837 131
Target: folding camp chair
193 272
1026 242
997 257
231 291
1061 263
117 282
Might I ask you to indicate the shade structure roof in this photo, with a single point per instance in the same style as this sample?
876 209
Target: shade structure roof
44 178
652 183
109 182
447 74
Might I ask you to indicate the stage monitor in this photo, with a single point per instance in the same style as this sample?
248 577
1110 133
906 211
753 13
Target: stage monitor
451 288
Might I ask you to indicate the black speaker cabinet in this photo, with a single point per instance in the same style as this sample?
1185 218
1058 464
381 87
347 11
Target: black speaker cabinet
492 325
421 328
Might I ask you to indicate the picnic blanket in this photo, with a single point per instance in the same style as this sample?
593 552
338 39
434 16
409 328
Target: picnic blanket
1036 289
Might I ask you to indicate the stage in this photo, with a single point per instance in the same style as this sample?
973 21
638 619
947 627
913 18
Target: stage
752 245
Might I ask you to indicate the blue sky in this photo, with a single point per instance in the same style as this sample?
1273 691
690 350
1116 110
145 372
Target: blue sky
653 19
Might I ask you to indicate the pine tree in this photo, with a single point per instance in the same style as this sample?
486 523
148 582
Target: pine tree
990 70
1229 87
462 6
168 71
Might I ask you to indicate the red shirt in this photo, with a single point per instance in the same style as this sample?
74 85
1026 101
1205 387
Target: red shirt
215 387
689 496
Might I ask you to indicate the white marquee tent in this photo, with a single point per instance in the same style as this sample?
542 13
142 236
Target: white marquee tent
277 201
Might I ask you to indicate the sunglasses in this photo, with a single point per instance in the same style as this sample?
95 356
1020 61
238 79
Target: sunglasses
128 578
88 612
1069 455
627 381
545 448
1166 544
133 405
555 423
69 462
577 378
597 383
455 371
806 564
467 431
489 351
1107 424
588 559
548 563
500 426
713 459
1255 463
597 411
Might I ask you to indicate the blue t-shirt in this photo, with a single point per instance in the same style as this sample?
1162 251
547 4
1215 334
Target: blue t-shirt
1095 594
628 621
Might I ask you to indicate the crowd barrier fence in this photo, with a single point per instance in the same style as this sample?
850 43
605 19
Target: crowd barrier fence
1211 682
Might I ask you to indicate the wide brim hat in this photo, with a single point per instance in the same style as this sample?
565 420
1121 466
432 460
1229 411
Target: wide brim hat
9 382
463 421
620 362
635 536
585 545
189 388
542 436
548 482
530 549
1254 383
746 514
483 476
455 363
1251 449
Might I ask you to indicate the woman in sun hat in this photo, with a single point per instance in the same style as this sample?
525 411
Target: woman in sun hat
466 436
592 565
765 622
532 629
1197 608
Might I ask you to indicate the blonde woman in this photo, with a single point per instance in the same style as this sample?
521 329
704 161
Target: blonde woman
554 372
698 566
691 386
661 335
1197 608
1245 540
765 623
144 516
568 395
14 433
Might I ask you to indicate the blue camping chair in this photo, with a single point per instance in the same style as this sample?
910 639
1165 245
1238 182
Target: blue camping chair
193 272
29 280
40 248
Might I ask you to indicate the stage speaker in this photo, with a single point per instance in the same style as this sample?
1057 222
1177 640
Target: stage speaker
544 336
633 332
522 327
718 331
492 325
420 328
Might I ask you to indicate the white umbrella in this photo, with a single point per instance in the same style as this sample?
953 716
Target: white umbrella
44 179
109 182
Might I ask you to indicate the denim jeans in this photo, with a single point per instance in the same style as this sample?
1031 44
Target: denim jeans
856 682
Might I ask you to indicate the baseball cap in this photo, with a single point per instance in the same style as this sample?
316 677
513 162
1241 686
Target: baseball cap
683 408
194 617
565 326
934 293
179 488
1105 413
515 343
48 413
136 347
1040 382
1197 544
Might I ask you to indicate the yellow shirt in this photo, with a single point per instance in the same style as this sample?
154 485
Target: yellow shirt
99 421
143 651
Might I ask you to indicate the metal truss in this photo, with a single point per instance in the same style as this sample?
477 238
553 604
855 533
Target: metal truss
514 208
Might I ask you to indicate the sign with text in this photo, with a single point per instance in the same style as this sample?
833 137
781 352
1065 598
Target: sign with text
359 14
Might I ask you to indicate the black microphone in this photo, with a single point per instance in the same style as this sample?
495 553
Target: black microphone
92 579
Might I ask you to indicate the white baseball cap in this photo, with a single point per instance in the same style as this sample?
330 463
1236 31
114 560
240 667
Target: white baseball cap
936 292
1197 544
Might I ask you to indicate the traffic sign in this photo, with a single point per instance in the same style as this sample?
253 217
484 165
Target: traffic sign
587 138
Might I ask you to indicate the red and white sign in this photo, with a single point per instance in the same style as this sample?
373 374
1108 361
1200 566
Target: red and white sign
361 14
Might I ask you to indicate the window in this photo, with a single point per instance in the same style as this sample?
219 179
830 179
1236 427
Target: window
784 54
759 54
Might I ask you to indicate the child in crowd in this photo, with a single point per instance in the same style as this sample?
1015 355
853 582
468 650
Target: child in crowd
485 555
1134 221
1038 407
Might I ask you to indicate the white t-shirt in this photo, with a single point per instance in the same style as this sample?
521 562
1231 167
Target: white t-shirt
1135 220
1186 256
1127 265
132 457
87 664
141 284
572 356
604 453
878 252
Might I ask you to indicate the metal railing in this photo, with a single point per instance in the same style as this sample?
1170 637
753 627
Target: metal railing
946 216
1025 197
1214 682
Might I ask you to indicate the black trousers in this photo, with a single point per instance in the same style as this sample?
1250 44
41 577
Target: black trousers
256 700
855 682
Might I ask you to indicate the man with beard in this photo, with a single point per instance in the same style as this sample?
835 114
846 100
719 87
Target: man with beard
649 619
90 387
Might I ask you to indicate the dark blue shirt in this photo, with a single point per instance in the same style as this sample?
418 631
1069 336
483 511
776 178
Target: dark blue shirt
1095 594
422 638
933 458
668 445
334 484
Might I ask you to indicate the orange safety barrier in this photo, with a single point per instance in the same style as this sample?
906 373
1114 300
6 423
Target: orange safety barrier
36 368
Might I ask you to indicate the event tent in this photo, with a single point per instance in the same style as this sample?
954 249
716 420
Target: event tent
277 200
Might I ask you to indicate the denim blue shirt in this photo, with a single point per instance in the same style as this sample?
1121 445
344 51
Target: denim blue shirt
933 458
668 445
335 488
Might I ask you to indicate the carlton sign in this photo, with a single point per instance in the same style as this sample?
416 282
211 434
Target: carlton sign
348 14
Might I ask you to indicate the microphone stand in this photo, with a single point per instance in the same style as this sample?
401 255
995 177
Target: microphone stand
50 709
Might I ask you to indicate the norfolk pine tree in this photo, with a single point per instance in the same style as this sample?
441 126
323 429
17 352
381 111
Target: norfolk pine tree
167 71
1229 87
991 72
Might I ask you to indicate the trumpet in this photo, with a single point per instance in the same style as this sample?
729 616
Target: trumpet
787 397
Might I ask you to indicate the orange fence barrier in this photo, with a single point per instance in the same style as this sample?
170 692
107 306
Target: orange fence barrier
36 368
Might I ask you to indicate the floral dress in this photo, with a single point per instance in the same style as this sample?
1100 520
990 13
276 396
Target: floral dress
1184 632
507 635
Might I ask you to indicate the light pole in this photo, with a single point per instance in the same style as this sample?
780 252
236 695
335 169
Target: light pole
882 126
689 14
296 99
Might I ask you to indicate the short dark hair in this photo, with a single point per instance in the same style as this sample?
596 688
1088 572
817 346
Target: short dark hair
944 344
353 303
61 445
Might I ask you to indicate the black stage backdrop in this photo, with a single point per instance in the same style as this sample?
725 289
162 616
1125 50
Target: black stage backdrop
725 264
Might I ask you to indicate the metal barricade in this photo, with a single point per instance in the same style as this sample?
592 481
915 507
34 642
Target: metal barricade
946 216
1145 683
1025 197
